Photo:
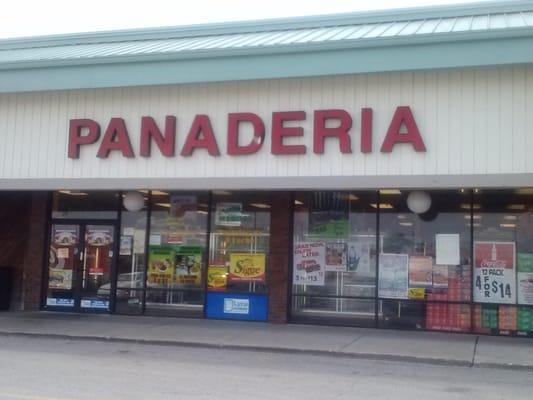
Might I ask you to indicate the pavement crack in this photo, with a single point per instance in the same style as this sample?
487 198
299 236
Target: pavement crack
352 342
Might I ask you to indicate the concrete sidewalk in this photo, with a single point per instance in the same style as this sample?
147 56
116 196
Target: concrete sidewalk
427 347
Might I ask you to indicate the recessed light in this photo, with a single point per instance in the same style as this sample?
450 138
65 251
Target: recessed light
382 205
508 225
389 191
260 205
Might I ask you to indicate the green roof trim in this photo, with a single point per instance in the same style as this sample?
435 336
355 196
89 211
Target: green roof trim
472 35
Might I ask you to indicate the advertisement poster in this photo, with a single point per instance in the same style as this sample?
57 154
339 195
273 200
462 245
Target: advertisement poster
309 263
246 267
525 278
65 239
358 258
448 249
65 236
189 265
328 216
60 279
228 214
494 272
420 271
161 266
183 207
217 277
393 276
440 276
336 256
126 245
98 240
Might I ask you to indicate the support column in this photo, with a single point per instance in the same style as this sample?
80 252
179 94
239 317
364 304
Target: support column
32 272
278 268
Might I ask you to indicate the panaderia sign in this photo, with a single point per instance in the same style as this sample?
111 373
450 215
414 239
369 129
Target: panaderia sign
328 124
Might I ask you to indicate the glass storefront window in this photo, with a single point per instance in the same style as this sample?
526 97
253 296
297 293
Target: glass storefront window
424 261
239 242
503 261
131 264
177 253
334 257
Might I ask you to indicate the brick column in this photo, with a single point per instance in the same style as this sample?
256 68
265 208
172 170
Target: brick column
278 268
33 256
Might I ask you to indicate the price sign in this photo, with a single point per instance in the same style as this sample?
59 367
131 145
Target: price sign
495 272
309 263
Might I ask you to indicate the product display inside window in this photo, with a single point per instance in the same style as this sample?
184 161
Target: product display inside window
177 247
334 274
238 255
424 262
503 262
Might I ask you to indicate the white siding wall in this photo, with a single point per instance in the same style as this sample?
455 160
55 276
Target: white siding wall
476 124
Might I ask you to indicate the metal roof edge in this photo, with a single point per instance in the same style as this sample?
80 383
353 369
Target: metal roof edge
423 56
213 54
440 11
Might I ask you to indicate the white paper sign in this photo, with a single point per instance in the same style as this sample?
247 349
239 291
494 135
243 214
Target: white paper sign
359 256
448 249
309 263
155 240
62 252
525 288
393 276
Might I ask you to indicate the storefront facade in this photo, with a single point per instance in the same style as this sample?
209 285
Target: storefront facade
371 183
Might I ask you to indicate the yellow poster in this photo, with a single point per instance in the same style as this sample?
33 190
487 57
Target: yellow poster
416 293
217 277
246 267
161 266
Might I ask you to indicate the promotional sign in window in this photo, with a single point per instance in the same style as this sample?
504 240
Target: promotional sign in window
98 248
358 257
420 271
217 277
393 276
161 266
246 267
336 257
525 278
309 263
494 272
228 214
329 215
182 206
189 265
65 239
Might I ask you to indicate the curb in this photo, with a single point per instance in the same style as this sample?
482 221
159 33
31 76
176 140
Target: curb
275 350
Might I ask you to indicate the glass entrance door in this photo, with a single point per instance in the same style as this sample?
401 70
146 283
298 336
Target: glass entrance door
79 266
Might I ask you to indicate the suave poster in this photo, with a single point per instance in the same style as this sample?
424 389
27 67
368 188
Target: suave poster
494 272
309 263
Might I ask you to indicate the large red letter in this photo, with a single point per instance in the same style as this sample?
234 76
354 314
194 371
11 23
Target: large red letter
201 124
366 130
279 131
233 133
76 139
340 132
115 138
149 131
403 116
